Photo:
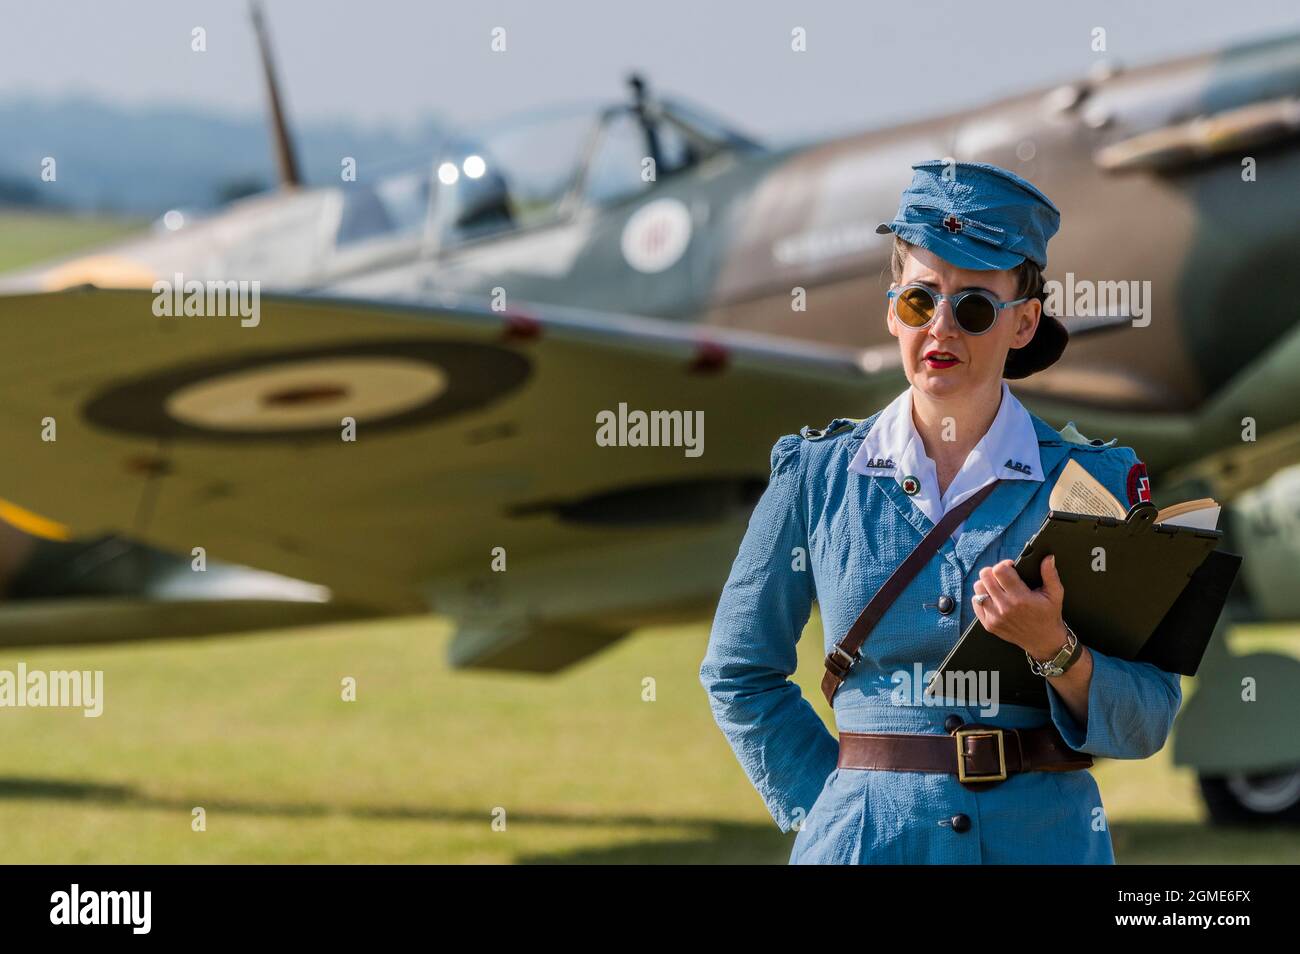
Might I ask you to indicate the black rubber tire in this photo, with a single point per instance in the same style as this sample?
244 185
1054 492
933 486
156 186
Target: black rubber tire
1227 808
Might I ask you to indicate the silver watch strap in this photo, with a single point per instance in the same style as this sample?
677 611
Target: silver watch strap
1060 662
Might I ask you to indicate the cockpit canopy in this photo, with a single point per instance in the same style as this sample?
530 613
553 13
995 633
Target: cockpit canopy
538 169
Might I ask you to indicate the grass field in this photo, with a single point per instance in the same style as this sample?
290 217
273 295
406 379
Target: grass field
28 237
254 731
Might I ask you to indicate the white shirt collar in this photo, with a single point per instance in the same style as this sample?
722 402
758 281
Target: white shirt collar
893 448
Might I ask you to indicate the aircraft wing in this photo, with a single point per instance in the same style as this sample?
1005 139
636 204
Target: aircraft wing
417 456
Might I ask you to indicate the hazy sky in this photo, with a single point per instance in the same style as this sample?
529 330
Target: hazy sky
396 60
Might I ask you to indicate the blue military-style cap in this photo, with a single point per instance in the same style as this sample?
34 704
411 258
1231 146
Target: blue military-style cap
975 215
982 217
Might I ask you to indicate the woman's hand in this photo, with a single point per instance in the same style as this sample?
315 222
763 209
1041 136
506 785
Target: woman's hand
1031 619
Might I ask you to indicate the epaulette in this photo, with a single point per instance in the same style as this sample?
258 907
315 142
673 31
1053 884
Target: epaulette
1071 434
834 427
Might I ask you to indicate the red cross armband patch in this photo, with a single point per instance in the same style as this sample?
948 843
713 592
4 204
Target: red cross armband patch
1139 484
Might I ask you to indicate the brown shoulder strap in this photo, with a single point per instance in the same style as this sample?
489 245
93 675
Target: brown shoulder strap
841 659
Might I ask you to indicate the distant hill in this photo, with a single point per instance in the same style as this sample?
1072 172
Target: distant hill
145 161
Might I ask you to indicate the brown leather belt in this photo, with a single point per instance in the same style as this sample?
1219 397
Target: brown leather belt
981 756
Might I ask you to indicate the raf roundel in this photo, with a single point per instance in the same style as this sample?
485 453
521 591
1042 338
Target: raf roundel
305 393
656 235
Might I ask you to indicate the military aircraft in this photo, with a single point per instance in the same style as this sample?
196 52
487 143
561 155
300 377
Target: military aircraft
476 319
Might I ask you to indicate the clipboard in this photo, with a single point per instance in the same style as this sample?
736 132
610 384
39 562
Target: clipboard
1134 589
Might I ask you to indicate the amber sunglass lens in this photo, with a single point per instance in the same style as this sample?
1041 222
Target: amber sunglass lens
915 307
976 314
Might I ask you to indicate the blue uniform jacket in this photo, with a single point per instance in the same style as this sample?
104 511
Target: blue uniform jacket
855 530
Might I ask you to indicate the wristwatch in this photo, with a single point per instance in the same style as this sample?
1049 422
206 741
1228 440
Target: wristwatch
1063 659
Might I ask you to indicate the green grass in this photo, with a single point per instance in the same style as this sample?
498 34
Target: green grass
29 237
254 730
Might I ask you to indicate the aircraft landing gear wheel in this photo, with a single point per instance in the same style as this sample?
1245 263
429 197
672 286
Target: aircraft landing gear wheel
1253 798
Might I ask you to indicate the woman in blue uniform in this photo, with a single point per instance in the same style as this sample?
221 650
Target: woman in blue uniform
908 782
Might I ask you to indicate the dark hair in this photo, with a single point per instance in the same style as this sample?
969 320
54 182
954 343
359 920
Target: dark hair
1029 277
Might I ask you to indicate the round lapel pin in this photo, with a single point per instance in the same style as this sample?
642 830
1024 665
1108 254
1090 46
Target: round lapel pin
910 485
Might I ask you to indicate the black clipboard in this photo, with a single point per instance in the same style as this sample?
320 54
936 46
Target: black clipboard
1157 599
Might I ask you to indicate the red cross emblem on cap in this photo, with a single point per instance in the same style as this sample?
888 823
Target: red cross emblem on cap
952 223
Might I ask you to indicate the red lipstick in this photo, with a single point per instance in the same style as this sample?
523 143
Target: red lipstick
940 359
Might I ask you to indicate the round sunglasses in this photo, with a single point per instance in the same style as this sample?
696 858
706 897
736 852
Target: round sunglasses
976 310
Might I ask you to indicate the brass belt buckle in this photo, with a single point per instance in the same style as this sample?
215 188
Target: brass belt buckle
962 774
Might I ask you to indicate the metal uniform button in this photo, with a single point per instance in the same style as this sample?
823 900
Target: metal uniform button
960 823
952 724
946 604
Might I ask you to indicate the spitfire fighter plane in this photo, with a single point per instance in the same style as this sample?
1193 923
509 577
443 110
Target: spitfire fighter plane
417 404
